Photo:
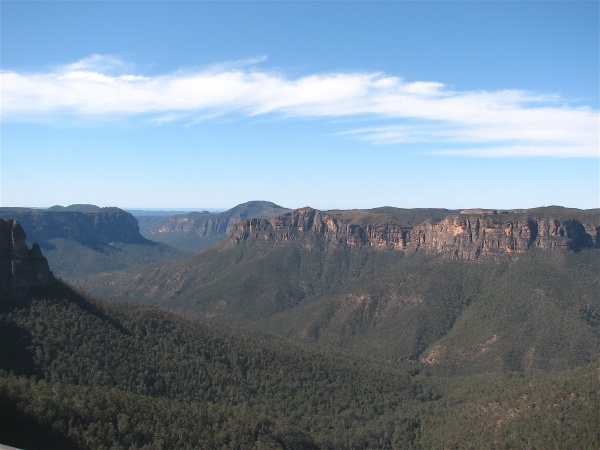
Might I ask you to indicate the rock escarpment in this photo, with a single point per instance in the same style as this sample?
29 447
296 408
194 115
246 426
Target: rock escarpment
86 224
468 235
83 239
21 269
200 224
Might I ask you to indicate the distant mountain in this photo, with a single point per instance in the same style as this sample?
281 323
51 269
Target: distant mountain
84 239
474 291
195 231
85 208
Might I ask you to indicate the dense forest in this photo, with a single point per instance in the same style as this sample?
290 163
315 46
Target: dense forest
94 374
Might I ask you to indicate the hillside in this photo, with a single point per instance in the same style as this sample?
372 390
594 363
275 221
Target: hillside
80 240
536 314
77 372
195 231
464 299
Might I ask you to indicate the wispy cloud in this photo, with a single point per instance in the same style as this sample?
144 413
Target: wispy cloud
474 123
108 64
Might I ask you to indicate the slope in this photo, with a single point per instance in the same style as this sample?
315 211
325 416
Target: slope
535 314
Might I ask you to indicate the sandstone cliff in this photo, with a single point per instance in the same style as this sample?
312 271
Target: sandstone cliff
86 224
195 223
468 235
21 269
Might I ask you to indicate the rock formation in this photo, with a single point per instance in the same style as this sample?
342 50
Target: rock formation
21 269
88 224
468 235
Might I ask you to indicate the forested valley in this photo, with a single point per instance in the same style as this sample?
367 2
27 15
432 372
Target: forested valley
88 373
272 344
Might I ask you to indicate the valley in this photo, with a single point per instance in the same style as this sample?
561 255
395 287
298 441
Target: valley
384 328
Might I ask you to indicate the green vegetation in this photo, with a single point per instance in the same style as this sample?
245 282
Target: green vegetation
69 416
536 312
256 382
405 218
71 260
511 410
92 374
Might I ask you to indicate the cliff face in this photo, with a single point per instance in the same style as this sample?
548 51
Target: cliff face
200 224
472 236
88 226
469 235
21 268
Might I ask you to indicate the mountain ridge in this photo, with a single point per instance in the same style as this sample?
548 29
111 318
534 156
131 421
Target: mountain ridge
87 224
469 235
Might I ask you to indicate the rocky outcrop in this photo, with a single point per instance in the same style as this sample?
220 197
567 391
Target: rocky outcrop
469 235
21 269
88 225
200 224
309 221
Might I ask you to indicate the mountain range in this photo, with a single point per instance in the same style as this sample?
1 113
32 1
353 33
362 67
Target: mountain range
84 239
383 328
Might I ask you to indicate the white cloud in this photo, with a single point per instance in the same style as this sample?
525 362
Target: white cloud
484 123
108 64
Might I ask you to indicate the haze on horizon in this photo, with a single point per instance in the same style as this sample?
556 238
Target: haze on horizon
333 105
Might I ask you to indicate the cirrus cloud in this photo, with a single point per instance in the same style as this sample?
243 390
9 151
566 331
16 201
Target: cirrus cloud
472 123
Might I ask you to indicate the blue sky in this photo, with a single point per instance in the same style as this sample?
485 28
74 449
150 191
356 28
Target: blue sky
325 104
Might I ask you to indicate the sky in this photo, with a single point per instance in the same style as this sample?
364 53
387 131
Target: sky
328 104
